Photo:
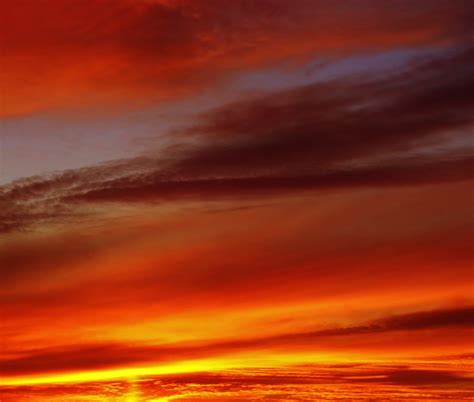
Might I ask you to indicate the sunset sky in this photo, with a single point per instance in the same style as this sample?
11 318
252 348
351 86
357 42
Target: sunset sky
236 200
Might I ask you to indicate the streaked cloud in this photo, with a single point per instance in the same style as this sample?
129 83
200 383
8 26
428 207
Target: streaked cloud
310 138
245 200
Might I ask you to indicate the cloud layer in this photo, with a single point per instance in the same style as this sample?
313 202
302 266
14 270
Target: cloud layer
406 129
120 52
283 210
93 357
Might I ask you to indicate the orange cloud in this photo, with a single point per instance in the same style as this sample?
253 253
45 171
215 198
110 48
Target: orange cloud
356 380
93 357
226 275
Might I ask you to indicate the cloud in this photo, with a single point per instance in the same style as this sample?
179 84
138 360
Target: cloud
430 319
414 377
298 383
107 52
350 132
98 356
456 318
332 374
318 128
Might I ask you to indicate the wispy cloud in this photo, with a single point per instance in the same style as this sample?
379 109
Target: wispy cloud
352 132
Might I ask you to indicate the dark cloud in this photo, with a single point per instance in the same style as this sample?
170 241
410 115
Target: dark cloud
350 132
155 187
456 318
317 128
332 374
416 377
432 319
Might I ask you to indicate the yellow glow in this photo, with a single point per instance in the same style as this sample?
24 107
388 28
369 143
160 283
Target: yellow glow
254 360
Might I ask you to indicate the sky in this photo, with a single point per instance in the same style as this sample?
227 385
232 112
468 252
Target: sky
253 200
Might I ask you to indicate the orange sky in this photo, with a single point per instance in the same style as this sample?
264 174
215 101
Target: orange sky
253 200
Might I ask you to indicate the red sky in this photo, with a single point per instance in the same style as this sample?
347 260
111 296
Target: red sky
235 201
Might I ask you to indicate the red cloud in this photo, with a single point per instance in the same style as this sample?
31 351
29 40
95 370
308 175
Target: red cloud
57 54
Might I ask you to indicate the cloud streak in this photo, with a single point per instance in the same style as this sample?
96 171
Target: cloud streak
98 356
351 132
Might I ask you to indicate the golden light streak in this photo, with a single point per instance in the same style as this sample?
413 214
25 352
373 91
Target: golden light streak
255 360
